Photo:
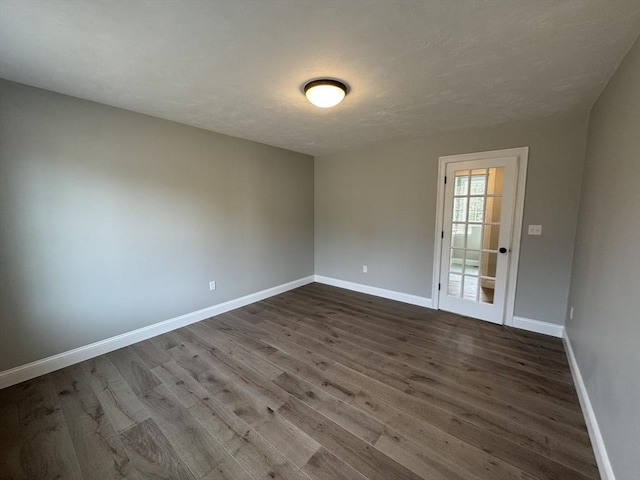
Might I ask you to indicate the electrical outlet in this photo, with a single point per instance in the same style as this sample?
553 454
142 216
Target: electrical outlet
212 286
365 269
535 229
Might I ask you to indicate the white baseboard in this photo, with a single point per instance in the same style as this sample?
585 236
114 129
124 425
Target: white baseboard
378 292
64 359
597 442
537 326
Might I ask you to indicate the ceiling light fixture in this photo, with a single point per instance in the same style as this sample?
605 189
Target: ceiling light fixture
325 93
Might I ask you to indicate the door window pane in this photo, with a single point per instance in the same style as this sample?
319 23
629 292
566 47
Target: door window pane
495 181
458 231
461 185
490 237
474 237
470 291
455 285
478 182
476 209
485 295
472 260
488 264
493 209
460 209
456 260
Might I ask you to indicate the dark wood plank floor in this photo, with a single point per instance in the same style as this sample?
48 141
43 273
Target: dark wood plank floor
317 383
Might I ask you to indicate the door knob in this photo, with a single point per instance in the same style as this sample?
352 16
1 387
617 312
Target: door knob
502 250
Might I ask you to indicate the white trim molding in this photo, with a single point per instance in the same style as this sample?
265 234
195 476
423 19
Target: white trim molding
378 292
597 442
55 362
537 326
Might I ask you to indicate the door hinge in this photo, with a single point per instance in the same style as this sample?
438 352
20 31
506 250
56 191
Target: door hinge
445 179
442 234
439 286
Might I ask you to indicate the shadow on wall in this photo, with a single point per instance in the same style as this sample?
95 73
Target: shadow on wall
112 221
88 241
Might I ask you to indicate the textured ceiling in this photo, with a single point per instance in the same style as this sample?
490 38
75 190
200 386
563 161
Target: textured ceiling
237 66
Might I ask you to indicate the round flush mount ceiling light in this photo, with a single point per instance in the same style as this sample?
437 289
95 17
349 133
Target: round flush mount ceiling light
325 93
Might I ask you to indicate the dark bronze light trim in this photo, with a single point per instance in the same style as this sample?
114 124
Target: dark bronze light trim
327 81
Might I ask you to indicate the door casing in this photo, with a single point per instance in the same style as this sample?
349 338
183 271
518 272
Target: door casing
522 156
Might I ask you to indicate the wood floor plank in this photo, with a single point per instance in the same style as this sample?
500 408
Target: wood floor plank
415 459
394 341
475 458
479 341
521 453
121 405
247 382
14 394
434 329
352 420
552 362
180 382
250 449
324 465
461 329
503 398
500 414
47 450
201 453
318 383
236 328
242 355
371 431
151 453
197 448
97 446
439 443
534 365
428 443
10 443
228 469
134 371
438 319
249 405
246 445
209 412
363 457
166 340
480 424
511 390
496 394
150 354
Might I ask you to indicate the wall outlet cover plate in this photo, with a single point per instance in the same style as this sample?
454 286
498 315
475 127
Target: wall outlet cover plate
535 229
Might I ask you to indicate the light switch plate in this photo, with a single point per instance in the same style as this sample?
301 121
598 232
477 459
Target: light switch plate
535 229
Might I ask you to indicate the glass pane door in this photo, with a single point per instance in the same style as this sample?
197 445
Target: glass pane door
475 229
478 218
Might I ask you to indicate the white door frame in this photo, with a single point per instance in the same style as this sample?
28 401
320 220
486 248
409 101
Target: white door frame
522 154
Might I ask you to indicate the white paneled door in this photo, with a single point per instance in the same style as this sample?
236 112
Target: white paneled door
476 236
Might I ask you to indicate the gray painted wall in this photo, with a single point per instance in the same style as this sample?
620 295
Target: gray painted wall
112 221
376 207
605 283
